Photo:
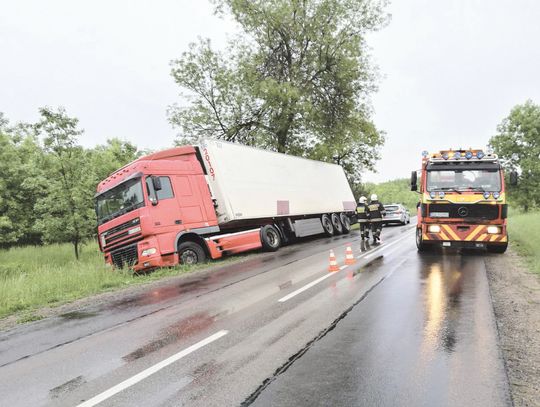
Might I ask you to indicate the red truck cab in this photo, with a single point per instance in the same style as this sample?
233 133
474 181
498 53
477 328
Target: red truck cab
144 196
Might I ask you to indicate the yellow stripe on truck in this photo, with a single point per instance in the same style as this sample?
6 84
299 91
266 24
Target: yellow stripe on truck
443 236
474 233
482 237
451 232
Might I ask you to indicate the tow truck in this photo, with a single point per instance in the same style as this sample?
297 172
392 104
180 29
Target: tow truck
462 200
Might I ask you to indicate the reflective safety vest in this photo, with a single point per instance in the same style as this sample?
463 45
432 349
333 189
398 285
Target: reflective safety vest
376 211
362 213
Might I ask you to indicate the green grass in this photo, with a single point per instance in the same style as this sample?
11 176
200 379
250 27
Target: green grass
35 277
524 233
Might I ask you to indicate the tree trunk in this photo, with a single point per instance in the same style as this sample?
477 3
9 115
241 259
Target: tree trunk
76 247
283 132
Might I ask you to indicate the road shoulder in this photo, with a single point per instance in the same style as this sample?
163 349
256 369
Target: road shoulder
516 302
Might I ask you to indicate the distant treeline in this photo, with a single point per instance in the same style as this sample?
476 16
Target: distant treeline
48 180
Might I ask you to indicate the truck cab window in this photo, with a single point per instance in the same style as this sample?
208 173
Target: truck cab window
165 192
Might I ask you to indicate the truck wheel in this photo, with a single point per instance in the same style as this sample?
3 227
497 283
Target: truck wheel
327 225
345 222
338 227
420 245
270 238
191 253
492 248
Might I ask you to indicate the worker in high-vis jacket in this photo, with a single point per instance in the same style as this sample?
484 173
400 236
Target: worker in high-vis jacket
362 213
376 213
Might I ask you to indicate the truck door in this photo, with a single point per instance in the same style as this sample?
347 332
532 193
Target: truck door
190 202
167 211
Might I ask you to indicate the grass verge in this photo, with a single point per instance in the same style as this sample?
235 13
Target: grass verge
524 233
43 276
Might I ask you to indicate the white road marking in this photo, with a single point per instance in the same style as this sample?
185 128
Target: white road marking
342 267
376 251
150 371
304 288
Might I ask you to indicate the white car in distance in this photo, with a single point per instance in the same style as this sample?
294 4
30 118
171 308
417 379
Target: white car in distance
396 213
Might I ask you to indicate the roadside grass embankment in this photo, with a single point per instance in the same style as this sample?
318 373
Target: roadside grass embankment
524 234
33 277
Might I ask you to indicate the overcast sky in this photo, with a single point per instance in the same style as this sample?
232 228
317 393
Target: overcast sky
451 70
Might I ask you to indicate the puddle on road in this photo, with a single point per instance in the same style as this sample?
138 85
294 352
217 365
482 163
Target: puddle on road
173 333
78 315
66 387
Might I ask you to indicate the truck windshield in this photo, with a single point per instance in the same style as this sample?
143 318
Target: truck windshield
119 200
464 180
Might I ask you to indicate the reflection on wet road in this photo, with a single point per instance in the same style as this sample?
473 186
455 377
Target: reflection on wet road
425 337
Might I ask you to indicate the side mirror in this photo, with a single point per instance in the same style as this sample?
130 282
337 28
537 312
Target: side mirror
156 182
513 178
414 181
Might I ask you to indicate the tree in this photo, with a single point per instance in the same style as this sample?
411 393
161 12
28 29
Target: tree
65 207
19 154
518 145
297 81
105 159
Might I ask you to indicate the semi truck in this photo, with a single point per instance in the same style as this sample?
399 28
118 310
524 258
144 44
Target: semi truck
190 203
462 200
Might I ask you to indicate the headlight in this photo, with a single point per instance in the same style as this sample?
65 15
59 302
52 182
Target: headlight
134 230
434 229
486 195
494 230
149 252
496 195
441 194
432 194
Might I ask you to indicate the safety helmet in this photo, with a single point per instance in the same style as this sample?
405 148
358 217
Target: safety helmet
362 199
374 197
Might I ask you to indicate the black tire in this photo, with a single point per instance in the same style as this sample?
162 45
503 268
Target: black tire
496 248
327 225
420 245
345 222
338 227
270 238
191 253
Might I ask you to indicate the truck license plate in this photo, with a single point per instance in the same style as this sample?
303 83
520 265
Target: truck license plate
447 244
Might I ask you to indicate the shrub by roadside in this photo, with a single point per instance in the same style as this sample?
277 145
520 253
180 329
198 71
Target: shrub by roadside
524 234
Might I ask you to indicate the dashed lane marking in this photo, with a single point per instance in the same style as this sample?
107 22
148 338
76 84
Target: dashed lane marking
150 371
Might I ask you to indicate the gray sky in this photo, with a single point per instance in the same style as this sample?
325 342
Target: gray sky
450 70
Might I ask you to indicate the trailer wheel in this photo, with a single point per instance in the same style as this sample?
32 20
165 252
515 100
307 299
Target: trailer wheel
327 225
345 222
191 253
493 248
338 227
270 238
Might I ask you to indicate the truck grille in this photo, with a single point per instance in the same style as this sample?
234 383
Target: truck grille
126 256
120 235
464 211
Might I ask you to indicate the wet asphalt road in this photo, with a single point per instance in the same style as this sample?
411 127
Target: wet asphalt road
395 328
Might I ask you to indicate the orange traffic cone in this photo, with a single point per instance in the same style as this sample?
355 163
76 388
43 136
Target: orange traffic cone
333 263
349 256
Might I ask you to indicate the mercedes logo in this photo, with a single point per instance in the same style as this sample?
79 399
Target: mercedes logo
462 211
